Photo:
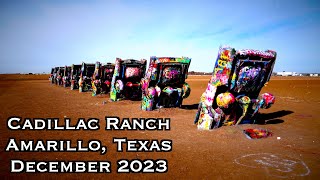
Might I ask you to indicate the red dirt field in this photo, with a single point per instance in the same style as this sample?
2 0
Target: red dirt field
224 153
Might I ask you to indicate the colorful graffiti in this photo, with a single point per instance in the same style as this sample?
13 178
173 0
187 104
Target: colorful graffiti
232 92
113 91
263 54
95 83
126 79
223 66
132 72
164 83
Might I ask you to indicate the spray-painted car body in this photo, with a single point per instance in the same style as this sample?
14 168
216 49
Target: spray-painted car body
164 83
75 76
232 94
51 75
102 78
66 79
107 72
126 79
59 75
86 75
95 83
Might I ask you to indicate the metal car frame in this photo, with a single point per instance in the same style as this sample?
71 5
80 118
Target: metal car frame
60 74
54 76
164 83
51 75
127 87
86 74
102 78
67 76
75 76
232 95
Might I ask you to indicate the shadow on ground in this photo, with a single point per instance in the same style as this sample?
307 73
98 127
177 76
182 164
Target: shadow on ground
263 118
272 118
190 106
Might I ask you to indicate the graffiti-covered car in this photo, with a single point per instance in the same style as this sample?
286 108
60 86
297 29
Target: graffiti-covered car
164 83
102 78
54 76
60 74
75 76
66 79
85 79
95 83
51 75
232 95
107 71
126 79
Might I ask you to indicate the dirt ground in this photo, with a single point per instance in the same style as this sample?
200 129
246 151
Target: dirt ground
224 153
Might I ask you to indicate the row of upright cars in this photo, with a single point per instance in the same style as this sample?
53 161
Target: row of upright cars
232 95
80 76
161 85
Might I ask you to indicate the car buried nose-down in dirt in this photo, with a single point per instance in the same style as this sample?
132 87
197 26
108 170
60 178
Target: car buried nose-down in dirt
85 79
232 95
60 74
51 75
75 76
126 79
102 78
164 83
66 79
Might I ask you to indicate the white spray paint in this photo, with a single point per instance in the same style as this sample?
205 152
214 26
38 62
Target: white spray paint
275 165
